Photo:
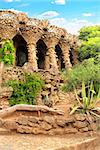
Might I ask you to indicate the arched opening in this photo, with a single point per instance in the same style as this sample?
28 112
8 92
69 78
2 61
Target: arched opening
59 54
41 53
21 50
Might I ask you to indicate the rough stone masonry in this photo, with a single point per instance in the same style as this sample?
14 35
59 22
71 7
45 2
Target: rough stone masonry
38 43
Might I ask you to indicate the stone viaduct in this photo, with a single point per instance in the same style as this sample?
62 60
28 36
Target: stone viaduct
38 43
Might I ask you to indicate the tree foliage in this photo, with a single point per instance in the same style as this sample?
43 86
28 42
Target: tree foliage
90 45
89 32
7 52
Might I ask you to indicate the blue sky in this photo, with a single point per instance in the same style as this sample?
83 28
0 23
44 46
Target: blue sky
69 14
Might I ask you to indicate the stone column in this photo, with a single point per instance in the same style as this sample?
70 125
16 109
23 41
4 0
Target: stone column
75 55
1 72
32 59
66 56
47 62
52 57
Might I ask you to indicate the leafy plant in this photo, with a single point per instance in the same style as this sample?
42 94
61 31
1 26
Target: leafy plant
87 102
27 91
7 52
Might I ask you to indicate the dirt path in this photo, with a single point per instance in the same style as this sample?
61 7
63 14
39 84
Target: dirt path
40 142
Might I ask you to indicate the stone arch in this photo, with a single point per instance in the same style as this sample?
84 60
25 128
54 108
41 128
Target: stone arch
41 53
60 62
21 50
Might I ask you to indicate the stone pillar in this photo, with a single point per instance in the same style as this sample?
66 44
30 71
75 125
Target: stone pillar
47 62
75 56
32 59
1 72
53 59
66 56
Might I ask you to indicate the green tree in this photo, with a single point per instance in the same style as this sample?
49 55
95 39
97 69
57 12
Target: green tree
89 49
89 32
90 42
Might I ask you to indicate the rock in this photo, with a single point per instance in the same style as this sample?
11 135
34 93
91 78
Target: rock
93 126
47 86
31 124
6 92
61 122
38 131
70 130
79 124
23 120
10 124
33 119
1 122
50 120
45 126
48 81
57 131
80 117
86 129
69 120
24 129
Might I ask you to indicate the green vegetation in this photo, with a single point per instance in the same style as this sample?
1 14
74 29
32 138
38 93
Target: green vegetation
27 91
88 70
87 102
89 32
90 46
7 52
85 76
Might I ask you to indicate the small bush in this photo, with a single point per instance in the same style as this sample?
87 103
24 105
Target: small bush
7 52
27 91
87 71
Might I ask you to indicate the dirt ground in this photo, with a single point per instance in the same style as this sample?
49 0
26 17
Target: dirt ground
15 141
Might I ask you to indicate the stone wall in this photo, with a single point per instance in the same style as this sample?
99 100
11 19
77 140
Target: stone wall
48 96
29 122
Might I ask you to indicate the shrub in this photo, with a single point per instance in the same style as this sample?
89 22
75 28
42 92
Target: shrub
87 71
27 91
7 52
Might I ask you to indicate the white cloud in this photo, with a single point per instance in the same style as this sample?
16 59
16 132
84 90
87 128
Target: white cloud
72 26
48 15
8 0
24 5
87 14
12 0
59 2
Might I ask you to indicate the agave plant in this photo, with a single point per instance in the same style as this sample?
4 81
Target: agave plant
87 102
